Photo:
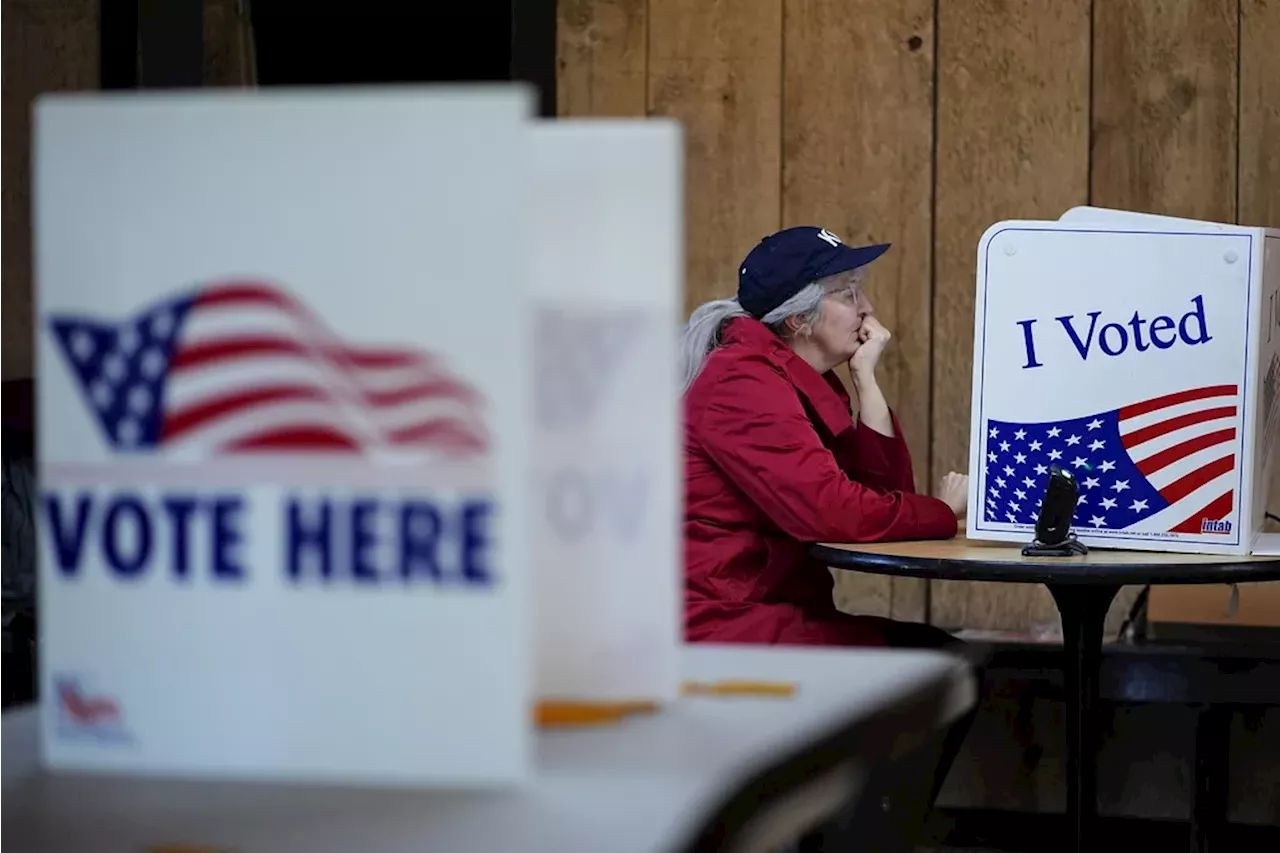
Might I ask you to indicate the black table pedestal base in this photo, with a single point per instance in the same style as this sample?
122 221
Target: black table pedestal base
1083 587
1083 609
1209 801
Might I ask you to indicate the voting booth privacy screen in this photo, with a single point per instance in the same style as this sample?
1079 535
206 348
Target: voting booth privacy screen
1140 353
607 265
281 434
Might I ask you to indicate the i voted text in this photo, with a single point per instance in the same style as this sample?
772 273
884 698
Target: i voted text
1091 333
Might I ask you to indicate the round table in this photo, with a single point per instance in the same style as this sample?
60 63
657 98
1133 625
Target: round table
1083 587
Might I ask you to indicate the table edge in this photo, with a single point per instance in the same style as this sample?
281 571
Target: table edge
731 812
1051 570
921 707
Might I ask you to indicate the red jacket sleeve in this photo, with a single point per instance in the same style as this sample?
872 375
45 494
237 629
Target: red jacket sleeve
880 461
753 425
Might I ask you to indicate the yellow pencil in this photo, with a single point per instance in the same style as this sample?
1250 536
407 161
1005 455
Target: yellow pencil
561 714
555 714
740 688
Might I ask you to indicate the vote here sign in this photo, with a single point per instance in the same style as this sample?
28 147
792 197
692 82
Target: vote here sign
1141 354
280 430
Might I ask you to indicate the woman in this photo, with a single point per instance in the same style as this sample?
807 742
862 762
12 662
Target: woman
774 460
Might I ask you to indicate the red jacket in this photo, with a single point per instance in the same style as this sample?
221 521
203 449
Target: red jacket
773 462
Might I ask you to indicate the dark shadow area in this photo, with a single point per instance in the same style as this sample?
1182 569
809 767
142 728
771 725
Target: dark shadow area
308 44
381 42
390 42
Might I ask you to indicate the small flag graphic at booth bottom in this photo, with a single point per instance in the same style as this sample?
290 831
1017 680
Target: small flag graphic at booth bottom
1168 460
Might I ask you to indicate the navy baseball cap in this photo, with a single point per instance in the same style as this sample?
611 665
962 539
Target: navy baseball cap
782 264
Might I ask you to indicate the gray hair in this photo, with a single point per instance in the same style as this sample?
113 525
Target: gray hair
702 334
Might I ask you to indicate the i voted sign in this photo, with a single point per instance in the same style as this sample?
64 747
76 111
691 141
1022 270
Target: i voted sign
1138 353
280 525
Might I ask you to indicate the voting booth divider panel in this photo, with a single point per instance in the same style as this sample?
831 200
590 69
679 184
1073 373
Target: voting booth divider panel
607 266
358 429
1142 354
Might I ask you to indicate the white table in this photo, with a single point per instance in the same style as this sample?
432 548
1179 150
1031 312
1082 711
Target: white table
758 769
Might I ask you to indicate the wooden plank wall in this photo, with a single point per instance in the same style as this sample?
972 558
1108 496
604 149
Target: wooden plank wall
50 46
848 90
1258 187
921 122
1013 142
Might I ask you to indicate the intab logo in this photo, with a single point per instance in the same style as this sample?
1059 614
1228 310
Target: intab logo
84 713
1208 525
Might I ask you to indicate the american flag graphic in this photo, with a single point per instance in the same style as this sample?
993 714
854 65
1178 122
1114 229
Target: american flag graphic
244 367
1168 460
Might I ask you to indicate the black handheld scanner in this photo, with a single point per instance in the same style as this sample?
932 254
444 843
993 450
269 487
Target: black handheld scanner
1058 507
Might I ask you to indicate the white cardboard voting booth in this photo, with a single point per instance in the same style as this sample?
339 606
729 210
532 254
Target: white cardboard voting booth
281 434
607 294
1142 353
